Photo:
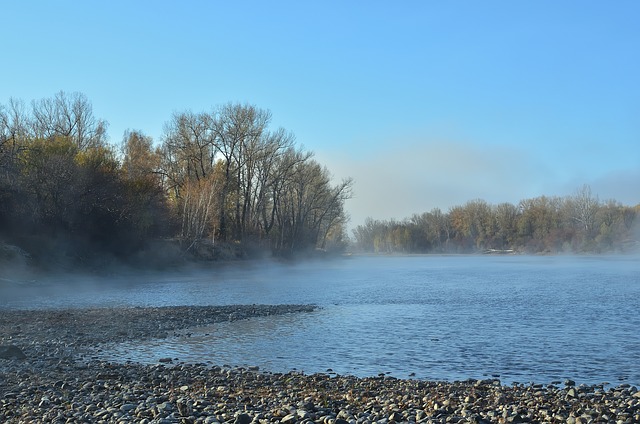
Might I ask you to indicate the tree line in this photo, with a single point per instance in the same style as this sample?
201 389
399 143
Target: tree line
216 180
575 223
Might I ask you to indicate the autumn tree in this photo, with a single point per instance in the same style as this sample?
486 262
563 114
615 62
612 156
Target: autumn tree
146 209
539 224
576 223
506 223
246 180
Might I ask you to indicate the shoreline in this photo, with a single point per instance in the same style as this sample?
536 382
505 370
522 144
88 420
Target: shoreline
58 382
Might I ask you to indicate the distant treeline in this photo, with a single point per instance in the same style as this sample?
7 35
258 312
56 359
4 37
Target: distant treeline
217 181
578 223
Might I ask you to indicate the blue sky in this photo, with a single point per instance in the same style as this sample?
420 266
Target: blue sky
425 104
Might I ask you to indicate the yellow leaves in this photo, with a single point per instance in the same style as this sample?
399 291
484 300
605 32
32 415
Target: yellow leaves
97 158
39 151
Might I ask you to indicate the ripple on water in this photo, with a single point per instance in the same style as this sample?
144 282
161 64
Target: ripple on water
440 317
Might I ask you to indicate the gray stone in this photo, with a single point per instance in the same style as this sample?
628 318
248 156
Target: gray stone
165 408
128 407
11 352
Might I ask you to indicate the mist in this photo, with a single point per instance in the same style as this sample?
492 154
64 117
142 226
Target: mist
406 178
126 286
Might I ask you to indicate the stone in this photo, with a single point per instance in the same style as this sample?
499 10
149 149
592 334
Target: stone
11 352
165 408
184 407
128 407
396 417
289 419
98 391
243 419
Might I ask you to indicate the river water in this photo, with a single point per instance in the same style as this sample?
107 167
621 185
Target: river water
518 318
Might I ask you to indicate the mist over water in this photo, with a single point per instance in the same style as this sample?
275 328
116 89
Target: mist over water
520 318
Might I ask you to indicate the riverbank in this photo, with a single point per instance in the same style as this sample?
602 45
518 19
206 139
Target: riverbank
58 381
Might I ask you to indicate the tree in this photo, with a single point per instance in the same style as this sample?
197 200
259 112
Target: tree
308 207
584 208
145 208
68 115
264 188
198 204
506 221
238 131
13 137
51 181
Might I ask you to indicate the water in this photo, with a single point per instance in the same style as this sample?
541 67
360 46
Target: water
524 319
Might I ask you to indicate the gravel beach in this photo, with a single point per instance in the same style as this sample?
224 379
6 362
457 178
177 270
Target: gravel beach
48 375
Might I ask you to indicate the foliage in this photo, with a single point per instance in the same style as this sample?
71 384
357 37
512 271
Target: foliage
578 223
216 179
232 180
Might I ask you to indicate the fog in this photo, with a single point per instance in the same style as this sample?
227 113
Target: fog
412 177
123 286
337 280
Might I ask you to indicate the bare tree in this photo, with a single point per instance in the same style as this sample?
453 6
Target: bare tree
259 179
14 123
197 207
187 151
584 208
308 207
238 133
68 115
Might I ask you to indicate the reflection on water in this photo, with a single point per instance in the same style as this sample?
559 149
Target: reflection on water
521 318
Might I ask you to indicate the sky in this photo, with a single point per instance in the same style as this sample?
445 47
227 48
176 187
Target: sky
424 104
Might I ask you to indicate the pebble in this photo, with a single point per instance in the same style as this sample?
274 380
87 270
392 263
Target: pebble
59 382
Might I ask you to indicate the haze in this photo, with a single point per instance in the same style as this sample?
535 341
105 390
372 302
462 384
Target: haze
424 104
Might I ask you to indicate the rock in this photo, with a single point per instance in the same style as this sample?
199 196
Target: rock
11 352
165 408
57 386
289 419
396 417
128 407
243 419
184 407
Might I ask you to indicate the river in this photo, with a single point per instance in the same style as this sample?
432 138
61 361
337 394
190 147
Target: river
518 318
